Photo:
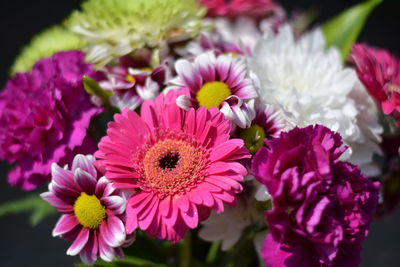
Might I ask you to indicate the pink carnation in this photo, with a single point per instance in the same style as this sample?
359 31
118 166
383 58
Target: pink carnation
180 163
322 207
44 116
235 8
380 73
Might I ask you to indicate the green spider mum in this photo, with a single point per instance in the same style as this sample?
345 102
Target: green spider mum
113 28
45 44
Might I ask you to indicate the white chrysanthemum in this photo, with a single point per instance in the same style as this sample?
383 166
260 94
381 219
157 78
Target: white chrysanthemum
311 86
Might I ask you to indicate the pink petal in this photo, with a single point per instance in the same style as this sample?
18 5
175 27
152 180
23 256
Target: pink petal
79 242
208 199
106 252
88 254
191 217
146 219
65 224
100 186
165 206
63 178
116 229
182 202
57 203
224 150
115 203
85 180
131 221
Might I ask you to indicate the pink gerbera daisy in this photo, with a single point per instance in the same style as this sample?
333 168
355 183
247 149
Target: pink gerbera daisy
181 164
93 211
217 81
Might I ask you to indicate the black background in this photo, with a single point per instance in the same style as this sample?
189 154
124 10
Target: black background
22 245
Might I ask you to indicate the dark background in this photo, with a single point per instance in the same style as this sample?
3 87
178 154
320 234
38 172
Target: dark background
22 245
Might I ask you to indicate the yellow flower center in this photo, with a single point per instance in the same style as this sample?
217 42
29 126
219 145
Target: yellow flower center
212 94
130 78
89 211
253 137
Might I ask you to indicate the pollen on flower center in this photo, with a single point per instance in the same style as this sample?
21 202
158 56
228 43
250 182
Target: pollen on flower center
212 94
130 78
172 166
89 211
253 137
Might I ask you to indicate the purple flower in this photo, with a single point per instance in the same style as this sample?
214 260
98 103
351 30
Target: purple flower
93 211
322 207
44 116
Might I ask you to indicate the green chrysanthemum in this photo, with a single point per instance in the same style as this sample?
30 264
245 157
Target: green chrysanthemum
113 28
45 44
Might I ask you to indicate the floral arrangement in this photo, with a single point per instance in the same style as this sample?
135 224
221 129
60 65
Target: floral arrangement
204 133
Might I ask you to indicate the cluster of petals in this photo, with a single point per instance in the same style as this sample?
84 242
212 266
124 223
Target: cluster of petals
132 82
206 68
106 237
181 163
44 116
310 85
322 207
379 71
235 8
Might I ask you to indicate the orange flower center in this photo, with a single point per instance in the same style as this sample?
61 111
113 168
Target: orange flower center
172 165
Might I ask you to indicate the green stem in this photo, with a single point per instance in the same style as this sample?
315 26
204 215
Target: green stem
185 251
213 252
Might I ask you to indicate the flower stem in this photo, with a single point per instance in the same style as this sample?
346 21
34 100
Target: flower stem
213 252
185 251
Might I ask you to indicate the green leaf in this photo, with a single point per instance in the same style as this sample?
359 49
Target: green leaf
92 88
34 204
343 30
127 261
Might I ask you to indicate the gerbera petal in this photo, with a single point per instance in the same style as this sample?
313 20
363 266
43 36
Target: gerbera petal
145 222
182 202
190 216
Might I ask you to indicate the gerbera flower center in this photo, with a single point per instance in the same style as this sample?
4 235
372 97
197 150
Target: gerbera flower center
212 94
172 166
89 211
169 161
253 137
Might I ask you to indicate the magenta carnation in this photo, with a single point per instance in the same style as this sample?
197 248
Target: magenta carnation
380 73
322 207
44 116
182 164
235 8
93 211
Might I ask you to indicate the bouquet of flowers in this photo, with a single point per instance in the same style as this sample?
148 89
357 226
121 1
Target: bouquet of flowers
204 133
